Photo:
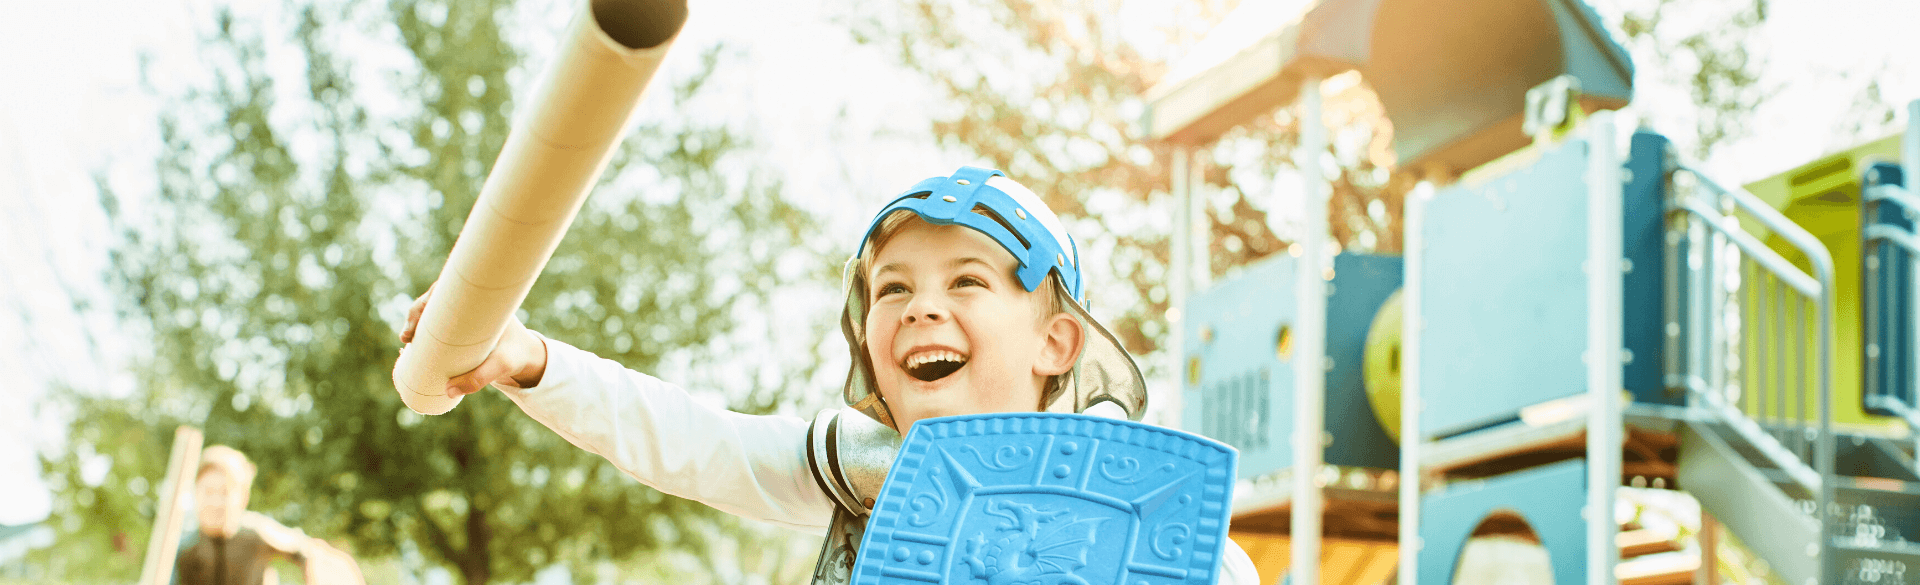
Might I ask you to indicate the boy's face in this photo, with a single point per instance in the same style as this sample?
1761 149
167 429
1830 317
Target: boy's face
219 503
951 331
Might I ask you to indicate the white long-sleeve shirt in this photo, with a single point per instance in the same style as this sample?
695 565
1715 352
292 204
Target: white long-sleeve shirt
752 466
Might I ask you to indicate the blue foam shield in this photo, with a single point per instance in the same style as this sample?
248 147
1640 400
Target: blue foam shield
1049 498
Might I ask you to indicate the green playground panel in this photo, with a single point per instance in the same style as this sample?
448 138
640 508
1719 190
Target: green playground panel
1823 196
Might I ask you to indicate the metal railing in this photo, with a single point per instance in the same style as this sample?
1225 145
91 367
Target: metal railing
1755 330
1891 251
1899 255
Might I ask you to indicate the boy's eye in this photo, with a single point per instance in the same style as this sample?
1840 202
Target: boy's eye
887 289
968 281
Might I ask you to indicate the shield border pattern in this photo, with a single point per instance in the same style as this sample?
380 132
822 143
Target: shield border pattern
1189 509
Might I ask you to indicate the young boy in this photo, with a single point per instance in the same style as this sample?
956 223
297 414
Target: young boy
235 546
964 297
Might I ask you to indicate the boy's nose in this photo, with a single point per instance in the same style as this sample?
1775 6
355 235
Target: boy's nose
924 310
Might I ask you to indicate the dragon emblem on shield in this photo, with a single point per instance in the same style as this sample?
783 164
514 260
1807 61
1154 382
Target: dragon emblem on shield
1031 545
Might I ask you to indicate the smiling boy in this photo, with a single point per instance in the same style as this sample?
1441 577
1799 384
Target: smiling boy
950 328
965 298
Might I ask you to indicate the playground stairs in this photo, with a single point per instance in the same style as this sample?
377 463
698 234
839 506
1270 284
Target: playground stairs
1874 529
1651 556
1872 523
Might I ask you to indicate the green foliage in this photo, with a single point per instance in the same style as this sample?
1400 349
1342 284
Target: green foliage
1715 59
1051 92
294 219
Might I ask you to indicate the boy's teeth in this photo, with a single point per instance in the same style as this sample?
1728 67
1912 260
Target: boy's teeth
924 358
933 365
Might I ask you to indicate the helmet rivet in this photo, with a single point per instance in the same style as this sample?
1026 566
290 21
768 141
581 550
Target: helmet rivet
949 199
1061 259
1020 212
963 182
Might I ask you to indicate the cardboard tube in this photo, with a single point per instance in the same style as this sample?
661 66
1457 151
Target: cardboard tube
558 147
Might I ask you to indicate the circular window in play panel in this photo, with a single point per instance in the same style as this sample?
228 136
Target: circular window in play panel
1504 550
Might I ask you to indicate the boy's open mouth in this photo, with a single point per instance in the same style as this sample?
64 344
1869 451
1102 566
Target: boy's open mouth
928 366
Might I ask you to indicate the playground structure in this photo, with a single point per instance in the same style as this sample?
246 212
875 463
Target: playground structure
1570 316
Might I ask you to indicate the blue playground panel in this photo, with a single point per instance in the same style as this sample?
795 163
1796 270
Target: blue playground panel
1643 211
1888 290
1548 498
1033 497
1505 297
1504 301
1239 388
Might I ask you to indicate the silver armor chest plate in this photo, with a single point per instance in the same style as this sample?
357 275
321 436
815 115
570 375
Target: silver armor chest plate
850 455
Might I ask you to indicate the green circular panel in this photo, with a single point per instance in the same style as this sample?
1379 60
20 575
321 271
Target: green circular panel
1381 372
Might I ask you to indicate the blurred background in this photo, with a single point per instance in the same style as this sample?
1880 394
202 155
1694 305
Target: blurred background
216 214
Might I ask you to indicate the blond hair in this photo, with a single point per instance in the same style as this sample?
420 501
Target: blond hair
1049 302
228 460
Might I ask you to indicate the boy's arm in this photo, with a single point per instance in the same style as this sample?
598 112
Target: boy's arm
746 465
291 542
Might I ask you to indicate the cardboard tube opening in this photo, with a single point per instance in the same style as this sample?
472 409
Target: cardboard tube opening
640 24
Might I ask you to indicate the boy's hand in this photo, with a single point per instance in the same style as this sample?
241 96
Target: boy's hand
519 357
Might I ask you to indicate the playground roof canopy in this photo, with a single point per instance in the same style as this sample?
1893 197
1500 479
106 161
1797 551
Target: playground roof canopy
1451 74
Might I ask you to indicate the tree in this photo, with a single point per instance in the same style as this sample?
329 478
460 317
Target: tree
1714 59
294 218
1051 91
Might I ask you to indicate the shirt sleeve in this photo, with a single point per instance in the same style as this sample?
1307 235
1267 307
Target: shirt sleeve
1236 568
747 465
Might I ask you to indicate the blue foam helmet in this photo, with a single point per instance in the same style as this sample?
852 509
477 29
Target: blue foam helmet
992 204
1016 218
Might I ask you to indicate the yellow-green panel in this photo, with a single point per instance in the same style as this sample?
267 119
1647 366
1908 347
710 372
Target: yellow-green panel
1822 196
1837 171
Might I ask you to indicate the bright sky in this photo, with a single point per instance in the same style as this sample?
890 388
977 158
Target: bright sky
71 105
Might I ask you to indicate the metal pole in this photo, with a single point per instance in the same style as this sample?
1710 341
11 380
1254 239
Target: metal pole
1410 435
1698 342
1716 304
1200 229
1673 367
1775 306
1604 356
1800 346
1708 572
1172 409
1910 177
1824 453
1910 148
1309 373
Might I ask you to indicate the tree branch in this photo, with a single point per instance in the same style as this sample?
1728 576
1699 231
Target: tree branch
436 535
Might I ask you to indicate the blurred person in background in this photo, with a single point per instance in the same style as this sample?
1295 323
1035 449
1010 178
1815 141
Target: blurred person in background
235 546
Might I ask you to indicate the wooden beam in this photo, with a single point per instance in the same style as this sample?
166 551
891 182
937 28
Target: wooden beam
171 511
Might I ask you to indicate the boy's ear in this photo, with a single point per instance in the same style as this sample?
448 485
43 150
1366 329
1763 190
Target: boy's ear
1065 337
